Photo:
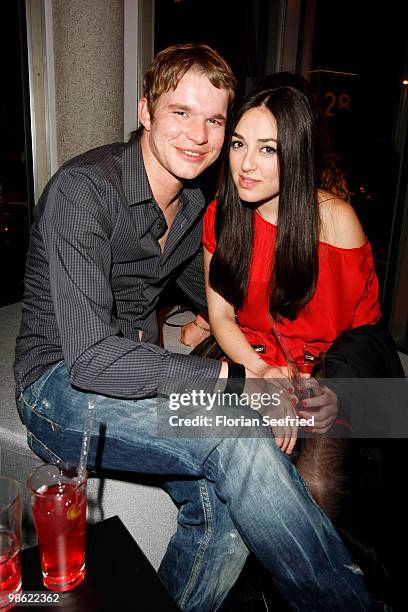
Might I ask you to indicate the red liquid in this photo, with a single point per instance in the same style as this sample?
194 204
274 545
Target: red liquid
10 572
60 520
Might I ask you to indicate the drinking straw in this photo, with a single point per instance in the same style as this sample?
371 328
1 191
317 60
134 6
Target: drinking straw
298 379
85 442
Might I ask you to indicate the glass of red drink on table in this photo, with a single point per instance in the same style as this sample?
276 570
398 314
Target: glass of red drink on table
10 541
58 501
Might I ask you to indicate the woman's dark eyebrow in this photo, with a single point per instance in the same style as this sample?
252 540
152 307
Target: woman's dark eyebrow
259 139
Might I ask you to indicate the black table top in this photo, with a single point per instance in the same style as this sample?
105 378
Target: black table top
118 575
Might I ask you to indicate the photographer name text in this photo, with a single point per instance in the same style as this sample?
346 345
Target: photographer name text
221 420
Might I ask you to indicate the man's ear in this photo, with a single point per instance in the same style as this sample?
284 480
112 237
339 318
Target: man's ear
143 112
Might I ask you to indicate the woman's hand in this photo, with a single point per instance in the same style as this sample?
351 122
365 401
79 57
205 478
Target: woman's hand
324 407
269 371
286 435
274 383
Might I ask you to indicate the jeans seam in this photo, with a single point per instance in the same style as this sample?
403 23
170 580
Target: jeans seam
31 436
33 408
208 532
307 489
54 426
36 394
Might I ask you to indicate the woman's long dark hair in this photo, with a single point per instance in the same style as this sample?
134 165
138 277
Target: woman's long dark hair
327 160
294 275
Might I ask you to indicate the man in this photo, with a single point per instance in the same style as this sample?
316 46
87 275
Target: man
112 228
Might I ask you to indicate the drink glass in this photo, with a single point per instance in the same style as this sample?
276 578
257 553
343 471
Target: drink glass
58 501
306 369
10 541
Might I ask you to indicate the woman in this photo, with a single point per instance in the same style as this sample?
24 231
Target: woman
282 257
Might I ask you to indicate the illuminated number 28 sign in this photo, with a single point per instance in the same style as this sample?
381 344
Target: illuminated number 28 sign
336 102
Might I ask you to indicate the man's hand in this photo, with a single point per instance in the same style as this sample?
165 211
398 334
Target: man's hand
195 332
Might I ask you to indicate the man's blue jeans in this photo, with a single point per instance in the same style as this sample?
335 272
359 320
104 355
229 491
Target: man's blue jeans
234 494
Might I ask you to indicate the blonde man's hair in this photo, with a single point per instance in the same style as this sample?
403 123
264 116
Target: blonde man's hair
171 64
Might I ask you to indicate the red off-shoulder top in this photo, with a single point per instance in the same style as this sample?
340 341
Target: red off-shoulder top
346 295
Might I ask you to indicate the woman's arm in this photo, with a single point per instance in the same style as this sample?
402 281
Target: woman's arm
234 344
226 331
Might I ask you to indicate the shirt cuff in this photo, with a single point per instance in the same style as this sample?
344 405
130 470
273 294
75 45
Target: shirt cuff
188 372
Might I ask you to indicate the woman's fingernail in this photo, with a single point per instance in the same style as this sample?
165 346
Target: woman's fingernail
304 403
294 400
291 390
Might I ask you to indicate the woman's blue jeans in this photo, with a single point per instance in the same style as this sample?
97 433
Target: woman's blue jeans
234 495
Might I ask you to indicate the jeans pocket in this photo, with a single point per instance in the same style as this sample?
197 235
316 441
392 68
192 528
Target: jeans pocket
32 400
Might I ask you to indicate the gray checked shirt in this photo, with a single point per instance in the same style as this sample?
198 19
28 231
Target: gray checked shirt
94 275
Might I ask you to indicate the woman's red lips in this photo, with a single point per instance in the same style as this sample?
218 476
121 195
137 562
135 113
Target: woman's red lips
246 182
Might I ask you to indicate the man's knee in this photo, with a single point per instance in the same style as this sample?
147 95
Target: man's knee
243 459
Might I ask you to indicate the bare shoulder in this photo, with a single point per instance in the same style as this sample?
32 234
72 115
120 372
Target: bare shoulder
340 225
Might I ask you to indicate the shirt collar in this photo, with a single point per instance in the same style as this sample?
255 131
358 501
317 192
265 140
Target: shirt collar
137 187
135 182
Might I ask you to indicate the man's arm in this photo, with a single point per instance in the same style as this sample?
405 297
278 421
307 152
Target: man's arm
191 281
76 229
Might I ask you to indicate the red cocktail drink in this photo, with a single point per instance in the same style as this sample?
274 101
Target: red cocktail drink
59 512
306 370
10 537
10 571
